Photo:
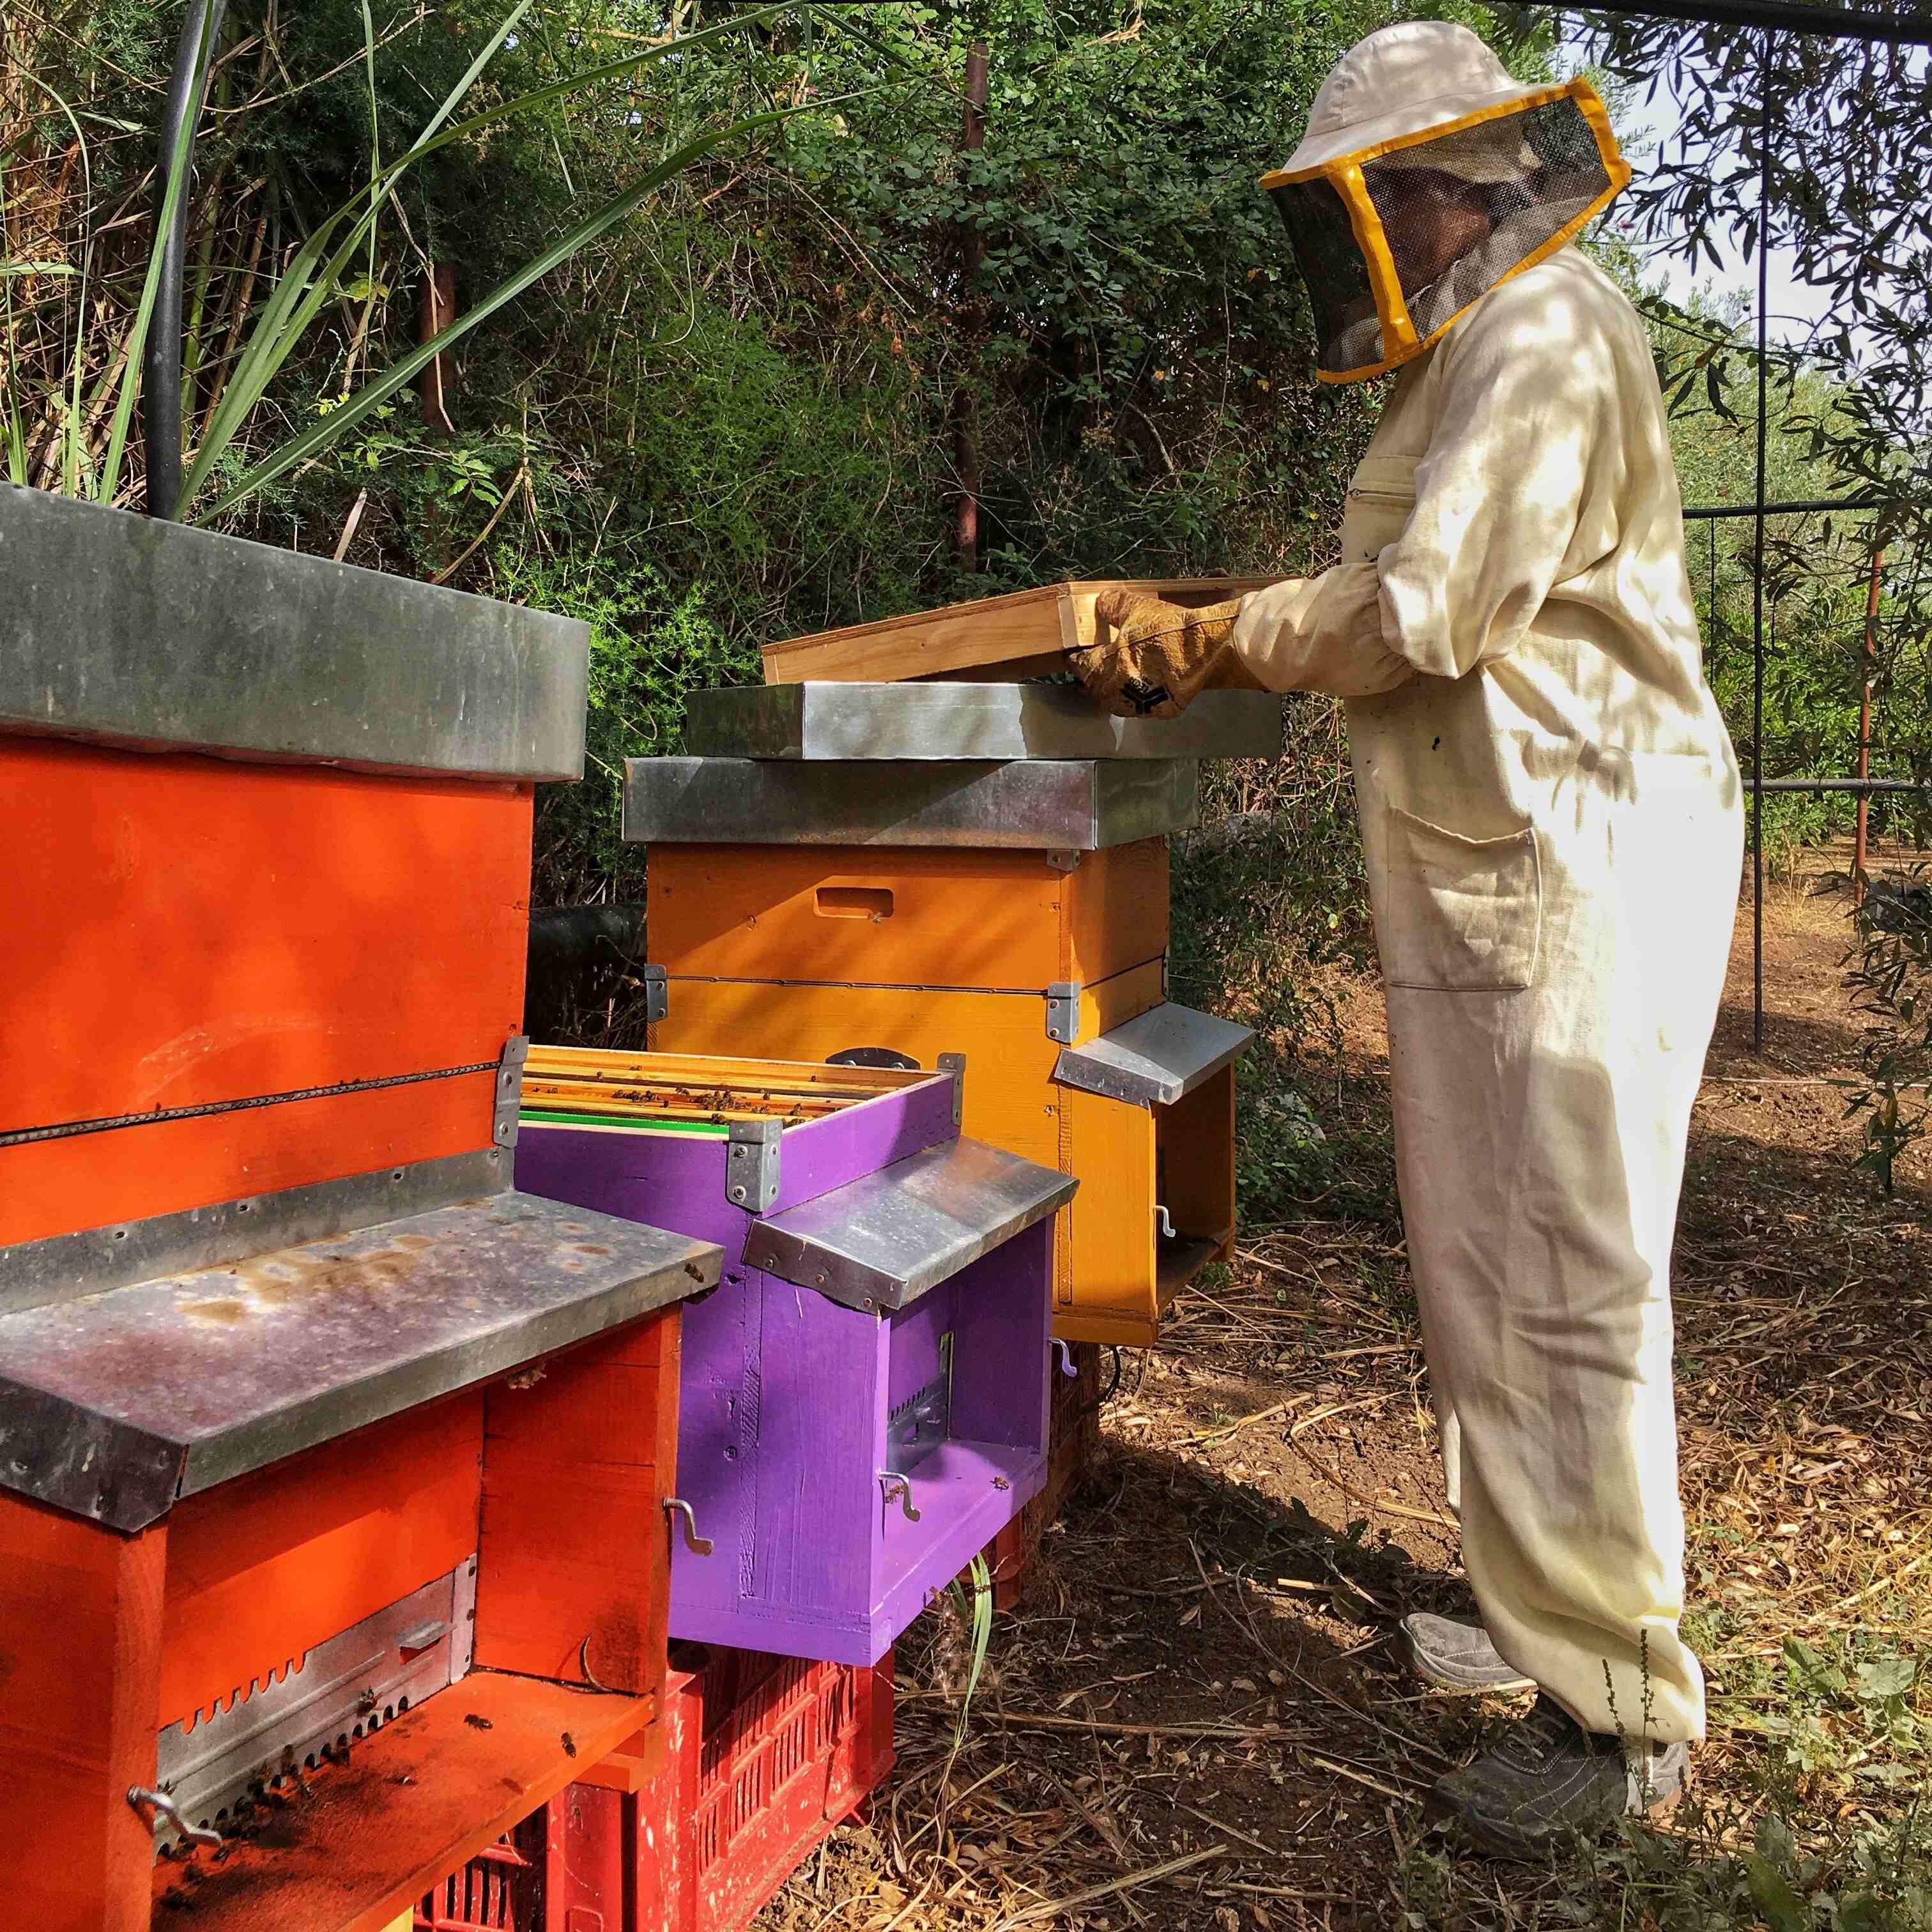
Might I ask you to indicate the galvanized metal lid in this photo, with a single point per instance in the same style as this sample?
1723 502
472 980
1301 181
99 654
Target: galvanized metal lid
117 629
1153 1060
1046 805
948 721
112 1405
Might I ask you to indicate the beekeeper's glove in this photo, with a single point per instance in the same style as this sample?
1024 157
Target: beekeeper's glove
1151 658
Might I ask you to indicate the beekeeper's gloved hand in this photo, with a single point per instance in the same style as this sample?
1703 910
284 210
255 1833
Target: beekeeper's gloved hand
1153 658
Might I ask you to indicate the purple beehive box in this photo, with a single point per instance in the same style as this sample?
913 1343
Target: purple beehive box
863 1401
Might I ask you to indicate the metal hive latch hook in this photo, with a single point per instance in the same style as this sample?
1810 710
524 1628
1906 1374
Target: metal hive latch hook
893 1482
1064 1350
698 1546
160 1803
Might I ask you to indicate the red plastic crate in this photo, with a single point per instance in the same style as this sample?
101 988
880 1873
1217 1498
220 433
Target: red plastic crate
763 1756
499 1890
592 1834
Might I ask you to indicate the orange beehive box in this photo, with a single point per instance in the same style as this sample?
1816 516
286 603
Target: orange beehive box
342 954
1024 961
332 1518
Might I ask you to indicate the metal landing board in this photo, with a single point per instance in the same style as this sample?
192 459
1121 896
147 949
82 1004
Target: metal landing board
882 1241
1025 804
1153 1060
940 722
114 1405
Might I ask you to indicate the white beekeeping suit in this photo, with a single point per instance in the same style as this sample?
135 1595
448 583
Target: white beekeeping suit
1550 812
1550 808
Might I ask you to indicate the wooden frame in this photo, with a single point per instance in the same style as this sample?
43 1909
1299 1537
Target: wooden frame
990 640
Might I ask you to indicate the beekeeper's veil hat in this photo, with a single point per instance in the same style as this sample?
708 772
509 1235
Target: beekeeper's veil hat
1415 118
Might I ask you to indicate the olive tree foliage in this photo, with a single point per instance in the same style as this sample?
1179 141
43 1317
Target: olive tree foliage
1819 146
736 415
1848 129
1844 131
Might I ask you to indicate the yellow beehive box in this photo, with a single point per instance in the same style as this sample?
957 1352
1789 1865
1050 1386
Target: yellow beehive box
945 920
1025 963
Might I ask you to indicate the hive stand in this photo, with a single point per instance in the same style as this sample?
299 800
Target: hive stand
810 904
764 1755
333 1467
865 1398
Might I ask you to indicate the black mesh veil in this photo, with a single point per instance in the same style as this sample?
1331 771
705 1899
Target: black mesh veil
1323 239
1457 214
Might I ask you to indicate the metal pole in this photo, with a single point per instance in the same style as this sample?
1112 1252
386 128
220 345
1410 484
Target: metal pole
965 408
1712 510
1837 23
1862 786
1757 560
1869 655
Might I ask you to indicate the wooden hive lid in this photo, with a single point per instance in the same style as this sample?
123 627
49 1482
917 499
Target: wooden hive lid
1024 634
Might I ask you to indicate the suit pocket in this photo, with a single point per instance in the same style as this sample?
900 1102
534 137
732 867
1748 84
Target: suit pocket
1464 915
1381 495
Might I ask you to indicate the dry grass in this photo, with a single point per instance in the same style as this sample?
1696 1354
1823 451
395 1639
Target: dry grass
1194 1719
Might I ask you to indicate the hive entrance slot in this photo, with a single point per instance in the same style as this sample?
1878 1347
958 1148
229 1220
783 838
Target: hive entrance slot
872 902
1178 1258
919 1424
1194 1182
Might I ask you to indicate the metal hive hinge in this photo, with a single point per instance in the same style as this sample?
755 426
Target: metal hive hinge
657 994
1062 1010
751 1164
954 1063
510 1089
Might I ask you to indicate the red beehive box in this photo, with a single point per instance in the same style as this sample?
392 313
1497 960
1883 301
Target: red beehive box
332 1526
763 1756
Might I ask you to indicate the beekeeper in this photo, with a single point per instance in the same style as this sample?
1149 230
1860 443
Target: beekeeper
1551 810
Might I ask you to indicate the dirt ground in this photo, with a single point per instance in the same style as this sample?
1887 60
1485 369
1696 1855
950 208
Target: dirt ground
1195 1719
